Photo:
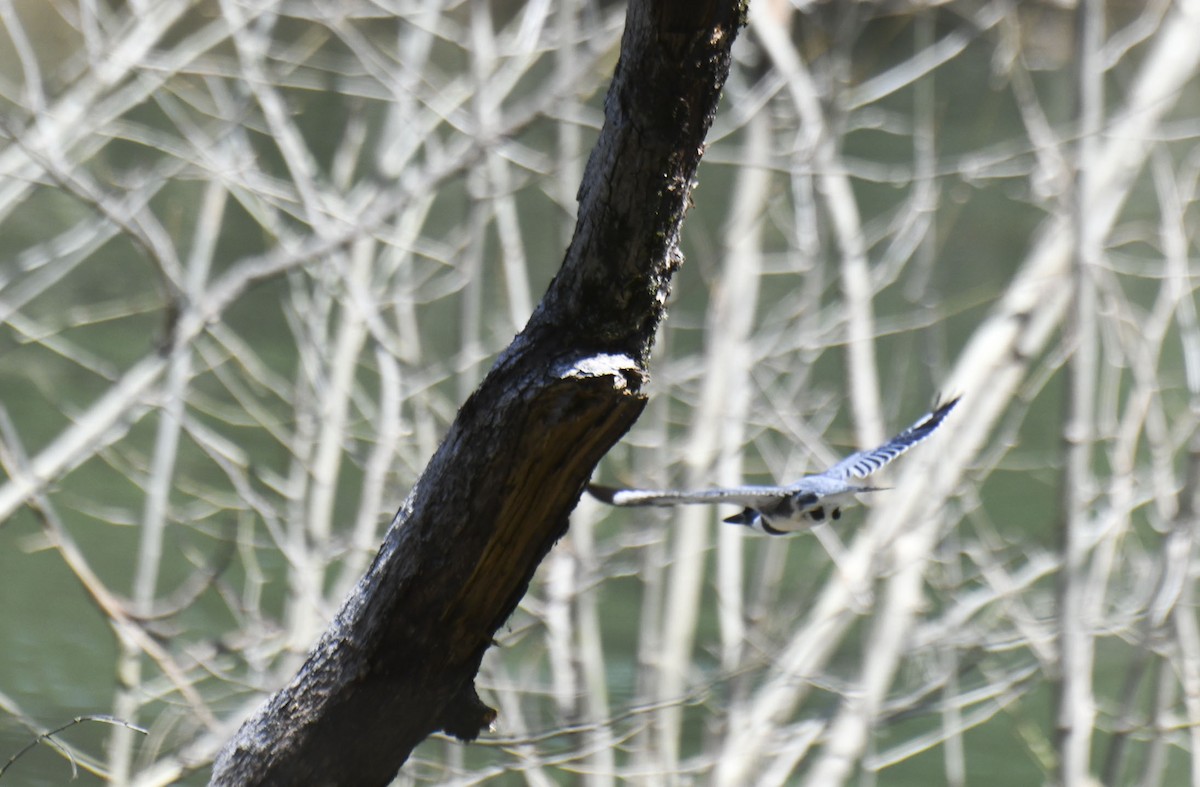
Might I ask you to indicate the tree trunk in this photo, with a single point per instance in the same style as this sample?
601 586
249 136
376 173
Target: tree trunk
399 660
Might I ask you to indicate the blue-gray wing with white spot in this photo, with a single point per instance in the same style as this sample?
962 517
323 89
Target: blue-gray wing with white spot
750 496
864 463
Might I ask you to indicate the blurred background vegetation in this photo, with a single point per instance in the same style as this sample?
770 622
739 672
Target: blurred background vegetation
255 253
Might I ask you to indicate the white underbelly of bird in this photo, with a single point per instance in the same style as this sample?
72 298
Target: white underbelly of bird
781 510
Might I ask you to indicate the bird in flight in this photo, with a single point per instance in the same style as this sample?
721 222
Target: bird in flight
782 510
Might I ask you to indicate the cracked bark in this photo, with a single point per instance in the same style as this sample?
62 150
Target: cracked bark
399 660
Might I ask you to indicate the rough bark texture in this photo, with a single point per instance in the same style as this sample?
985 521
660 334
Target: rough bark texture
399 661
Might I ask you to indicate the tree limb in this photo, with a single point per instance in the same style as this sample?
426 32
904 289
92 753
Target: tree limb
399 660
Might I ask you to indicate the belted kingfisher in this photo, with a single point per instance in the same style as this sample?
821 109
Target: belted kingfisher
782 510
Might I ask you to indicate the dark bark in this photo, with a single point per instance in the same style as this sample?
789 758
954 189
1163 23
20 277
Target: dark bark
399 660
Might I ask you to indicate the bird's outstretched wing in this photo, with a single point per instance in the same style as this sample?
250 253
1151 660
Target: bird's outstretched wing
863 463
748 496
